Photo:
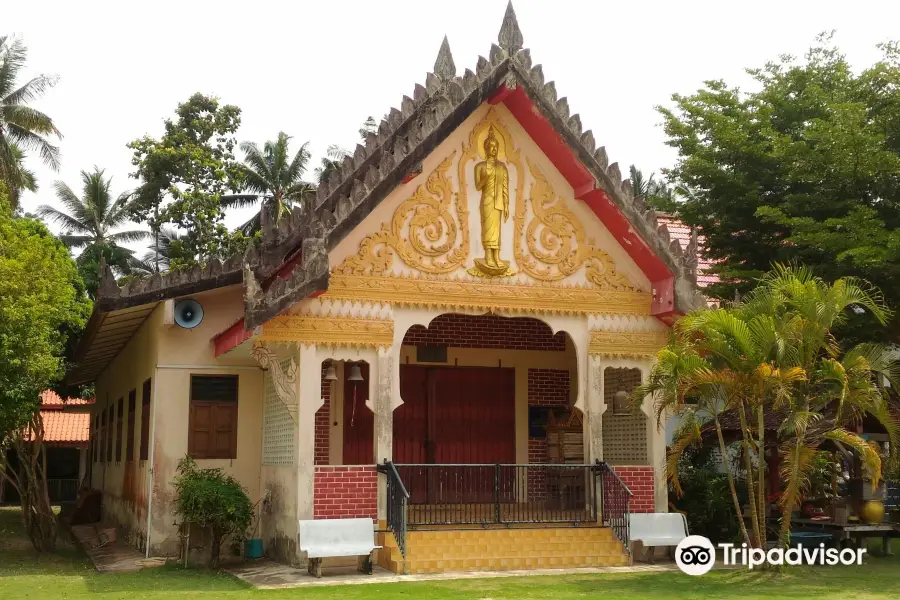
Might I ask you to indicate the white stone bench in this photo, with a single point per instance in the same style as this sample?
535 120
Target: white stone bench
657 529
327 538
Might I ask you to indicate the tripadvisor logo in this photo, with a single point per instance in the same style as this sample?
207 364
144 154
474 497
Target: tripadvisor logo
696 555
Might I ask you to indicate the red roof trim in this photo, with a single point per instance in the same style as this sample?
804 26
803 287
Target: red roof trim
583 183
231 338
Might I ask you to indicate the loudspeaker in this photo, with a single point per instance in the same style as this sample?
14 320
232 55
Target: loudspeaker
188 313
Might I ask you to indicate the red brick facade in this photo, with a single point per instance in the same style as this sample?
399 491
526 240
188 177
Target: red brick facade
345 492
548 387
323 424
486 331
640 481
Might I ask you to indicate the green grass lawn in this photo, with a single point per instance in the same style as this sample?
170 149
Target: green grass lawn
66 574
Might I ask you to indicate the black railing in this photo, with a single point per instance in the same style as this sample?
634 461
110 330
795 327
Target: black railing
615 498
466 494
63 490
397 497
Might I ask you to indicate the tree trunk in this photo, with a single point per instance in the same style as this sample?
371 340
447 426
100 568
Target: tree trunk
216 547
746 438
31 484
761 469
734 497
790 497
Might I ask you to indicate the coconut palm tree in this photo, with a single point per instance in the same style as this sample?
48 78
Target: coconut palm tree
21 179
330 162
22 128
272 176
91 219
158 256
776 354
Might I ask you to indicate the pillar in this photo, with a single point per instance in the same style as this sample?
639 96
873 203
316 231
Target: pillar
595 406
82 465
656 446
308 391
385 373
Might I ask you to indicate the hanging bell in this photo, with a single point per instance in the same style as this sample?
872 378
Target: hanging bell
330 374
355 373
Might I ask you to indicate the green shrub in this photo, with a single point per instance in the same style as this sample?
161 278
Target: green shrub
212 500
706 500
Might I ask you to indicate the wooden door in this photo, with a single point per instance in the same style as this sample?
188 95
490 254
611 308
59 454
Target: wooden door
454 415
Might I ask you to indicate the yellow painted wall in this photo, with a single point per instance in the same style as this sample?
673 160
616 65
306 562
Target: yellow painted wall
169 355
124 484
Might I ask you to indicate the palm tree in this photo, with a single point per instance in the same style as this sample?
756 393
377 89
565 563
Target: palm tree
21 179
22 127
775 354
641 186
92 218
271 175
330 162
158 256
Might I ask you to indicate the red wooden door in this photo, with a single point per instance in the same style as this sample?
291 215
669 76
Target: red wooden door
359 421
454 416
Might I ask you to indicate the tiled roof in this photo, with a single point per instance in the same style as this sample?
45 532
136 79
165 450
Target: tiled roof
678 230
67 428
50 399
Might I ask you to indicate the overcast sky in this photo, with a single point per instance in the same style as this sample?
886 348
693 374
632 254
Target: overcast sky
317 70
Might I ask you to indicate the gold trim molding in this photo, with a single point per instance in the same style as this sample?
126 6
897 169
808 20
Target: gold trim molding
487 295
354 332
626 344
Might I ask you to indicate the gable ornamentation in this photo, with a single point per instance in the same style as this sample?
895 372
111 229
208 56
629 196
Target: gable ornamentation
553 244
423 232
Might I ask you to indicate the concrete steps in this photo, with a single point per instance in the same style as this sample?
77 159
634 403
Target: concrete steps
503 549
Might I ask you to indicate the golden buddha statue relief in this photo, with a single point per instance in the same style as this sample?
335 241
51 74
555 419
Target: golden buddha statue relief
492 180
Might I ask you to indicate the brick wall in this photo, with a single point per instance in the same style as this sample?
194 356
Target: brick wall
323 424
486 331
640 481
537 480
345 492
548 387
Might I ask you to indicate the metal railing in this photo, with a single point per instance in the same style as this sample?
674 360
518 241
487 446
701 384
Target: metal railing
615 499
483 494
397 498
63 490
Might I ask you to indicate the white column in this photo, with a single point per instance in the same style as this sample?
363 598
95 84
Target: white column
385 374
595 406
656 447
82 465
309 399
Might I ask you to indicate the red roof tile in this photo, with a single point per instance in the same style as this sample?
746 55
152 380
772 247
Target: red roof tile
69 428
678 230
50 399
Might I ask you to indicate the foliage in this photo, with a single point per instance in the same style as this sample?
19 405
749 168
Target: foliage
22 127
212 500
192 164
89 224
776 354
705 496
656 193
43 306
334 155
271 175
803 169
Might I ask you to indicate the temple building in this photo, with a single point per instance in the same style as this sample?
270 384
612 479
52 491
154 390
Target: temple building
444 341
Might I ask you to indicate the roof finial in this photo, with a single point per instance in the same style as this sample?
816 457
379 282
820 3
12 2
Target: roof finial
443 65
510 36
